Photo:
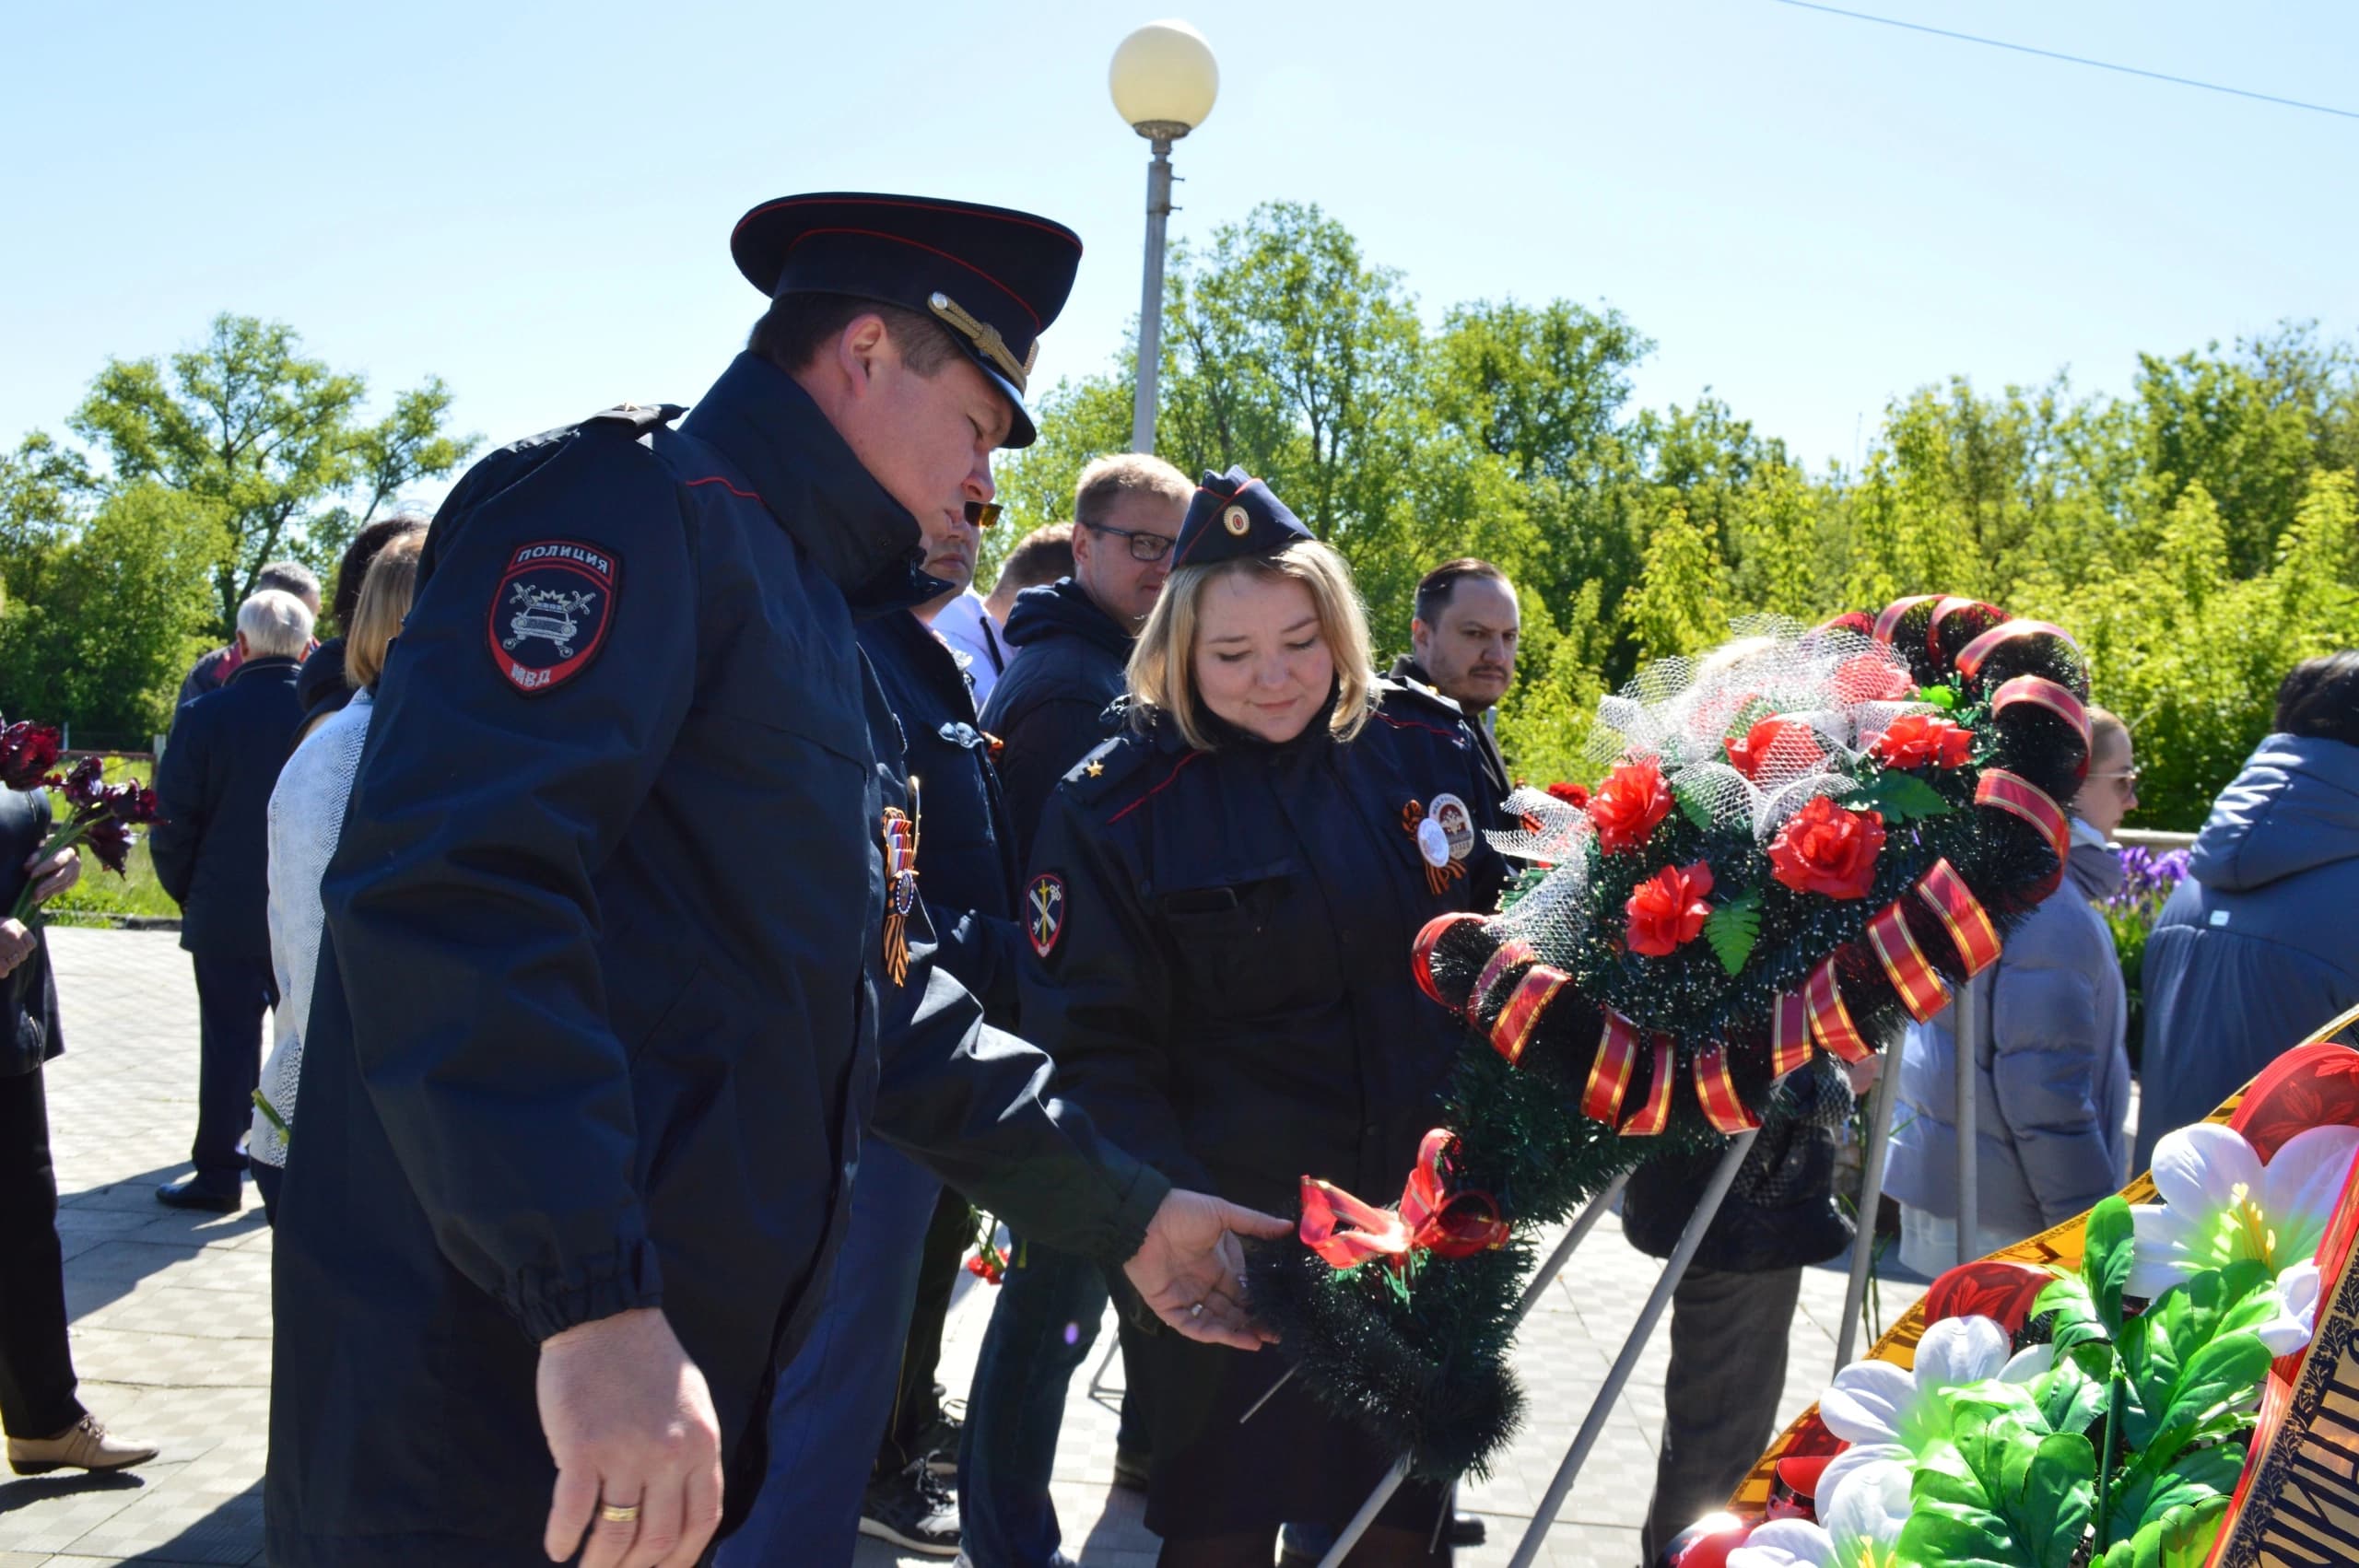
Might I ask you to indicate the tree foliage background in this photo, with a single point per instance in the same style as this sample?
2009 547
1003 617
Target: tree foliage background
122 559
2199 534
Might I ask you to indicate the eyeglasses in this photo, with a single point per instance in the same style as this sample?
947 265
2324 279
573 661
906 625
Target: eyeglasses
1143 547
983 514
2127 775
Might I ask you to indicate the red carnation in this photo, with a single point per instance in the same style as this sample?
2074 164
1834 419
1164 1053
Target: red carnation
1825 849
1870 677
1626 807
28 751
1571 794
1669 908
1916 740
1787 745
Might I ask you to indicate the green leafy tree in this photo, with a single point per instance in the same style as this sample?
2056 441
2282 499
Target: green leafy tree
278 444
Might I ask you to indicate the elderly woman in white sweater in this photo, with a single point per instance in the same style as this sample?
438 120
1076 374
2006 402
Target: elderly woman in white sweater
306 815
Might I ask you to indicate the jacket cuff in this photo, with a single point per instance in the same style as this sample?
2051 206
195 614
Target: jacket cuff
548 1303
1139 1192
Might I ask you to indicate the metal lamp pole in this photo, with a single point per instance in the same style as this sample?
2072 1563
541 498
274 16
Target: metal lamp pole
1161 133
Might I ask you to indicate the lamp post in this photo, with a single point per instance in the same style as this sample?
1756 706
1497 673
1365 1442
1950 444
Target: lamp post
1164 80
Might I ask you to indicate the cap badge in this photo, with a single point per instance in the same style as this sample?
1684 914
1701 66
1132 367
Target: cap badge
1237 519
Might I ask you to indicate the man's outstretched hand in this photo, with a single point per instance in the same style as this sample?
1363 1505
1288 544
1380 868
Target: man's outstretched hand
1190 1259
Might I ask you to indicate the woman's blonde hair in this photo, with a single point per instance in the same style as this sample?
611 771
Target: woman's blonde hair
1163 665
385 595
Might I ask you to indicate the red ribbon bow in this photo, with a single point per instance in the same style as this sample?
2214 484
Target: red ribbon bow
1431 1217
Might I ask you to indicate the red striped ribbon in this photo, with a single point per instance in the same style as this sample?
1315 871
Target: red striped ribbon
1510 954
2042 692
1653 1116
1830 1021
1943 611
1961 915
1922 991
1789 1034
1971 657
1609 1075
1420 951
1715 1091
1889 622
1530 999
2012 792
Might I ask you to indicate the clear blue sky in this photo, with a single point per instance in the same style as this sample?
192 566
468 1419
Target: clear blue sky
1809 214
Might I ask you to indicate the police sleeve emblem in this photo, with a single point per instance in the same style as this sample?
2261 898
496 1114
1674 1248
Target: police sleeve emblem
1044 913
550 612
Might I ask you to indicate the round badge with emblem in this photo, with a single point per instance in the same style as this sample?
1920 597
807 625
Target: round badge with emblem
1237 519
1453 824
1433 843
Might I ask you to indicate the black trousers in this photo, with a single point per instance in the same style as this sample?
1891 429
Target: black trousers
1719 1397
232 996
915 1407
36 1367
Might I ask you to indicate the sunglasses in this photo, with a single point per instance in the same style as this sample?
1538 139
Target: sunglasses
2127 775
983 514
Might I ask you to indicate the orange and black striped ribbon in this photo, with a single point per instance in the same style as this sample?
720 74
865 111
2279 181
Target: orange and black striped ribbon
1715 1091
1970 657
1609 1075
2042 692
1830 1021
1438 877
1922 991
1789 1034
1530 999
1961 915
1654 1113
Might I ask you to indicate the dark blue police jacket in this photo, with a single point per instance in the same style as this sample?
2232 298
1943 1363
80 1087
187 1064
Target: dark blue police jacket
600 991
211 841
965 862
1051 702
1221 945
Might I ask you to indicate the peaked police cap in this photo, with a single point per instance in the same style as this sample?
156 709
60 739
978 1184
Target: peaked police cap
992 277
1234 514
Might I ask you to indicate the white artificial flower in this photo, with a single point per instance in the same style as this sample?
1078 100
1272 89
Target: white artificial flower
1876 1403
1860 1524
2297 1306
2222 1205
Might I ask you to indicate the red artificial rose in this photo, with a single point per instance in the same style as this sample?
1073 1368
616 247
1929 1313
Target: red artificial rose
1571 794
28 752
1872 677
1789 744
1918 740
1626 807
1668 910
1825 849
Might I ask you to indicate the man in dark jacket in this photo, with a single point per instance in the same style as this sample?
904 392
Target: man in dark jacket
1462 640
625 900
2254 952
213 669
1073 638
1051 708
857 1375
211 849
1735 1307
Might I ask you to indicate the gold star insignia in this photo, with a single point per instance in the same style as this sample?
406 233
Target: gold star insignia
1096 769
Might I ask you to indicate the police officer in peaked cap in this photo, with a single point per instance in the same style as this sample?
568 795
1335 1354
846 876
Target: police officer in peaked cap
625 903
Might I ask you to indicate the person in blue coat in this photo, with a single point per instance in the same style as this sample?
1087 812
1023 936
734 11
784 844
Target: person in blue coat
2256 949
625 900
1221 909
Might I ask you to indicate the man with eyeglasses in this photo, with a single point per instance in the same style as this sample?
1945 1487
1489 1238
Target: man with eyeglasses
1051 708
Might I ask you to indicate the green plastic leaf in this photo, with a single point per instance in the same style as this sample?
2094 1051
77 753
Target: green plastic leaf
1900 797
1694 803
2193 1479
2051 1494
2111 1239
2077 1324
1943 697
2070 1398
2222 1373
1732 928
1937 1534
2182 1537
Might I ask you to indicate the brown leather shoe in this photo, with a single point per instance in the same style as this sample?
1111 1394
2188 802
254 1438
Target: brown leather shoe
85 1445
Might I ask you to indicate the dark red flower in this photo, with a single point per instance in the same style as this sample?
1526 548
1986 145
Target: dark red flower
1920 740
131 802
1825 849
28 751
1626 808
1988 1288
1872 677
1787 744
109 841
1571 794
86 785
1668 910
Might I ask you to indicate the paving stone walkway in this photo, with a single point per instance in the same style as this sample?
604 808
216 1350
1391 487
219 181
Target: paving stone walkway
172 1332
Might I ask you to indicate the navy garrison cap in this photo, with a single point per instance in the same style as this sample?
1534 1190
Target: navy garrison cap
995 278
1234 514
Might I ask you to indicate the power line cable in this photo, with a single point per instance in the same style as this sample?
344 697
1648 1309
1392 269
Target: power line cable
2071 59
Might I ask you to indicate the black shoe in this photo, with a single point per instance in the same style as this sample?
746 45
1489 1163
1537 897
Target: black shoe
1465 1530
913 1510
193 1192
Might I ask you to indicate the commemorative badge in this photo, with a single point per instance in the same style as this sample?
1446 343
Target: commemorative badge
1044 913
1449 814
1444 836
550 612
900 840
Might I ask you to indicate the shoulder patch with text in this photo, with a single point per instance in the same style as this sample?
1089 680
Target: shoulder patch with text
550 612
1044 913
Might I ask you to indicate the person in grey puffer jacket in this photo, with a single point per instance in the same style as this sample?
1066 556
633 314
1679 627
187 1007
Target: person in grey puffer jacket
2256 948
2051 1106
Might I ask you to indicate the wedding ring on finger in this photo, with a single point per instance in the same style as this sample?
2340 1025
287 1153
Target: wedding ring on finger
1197 1310
619 1513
